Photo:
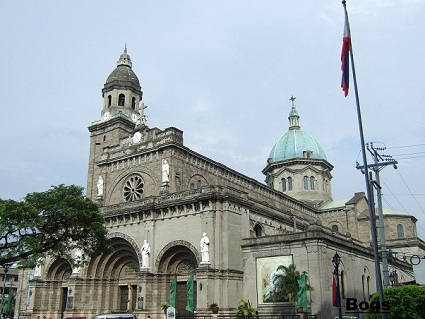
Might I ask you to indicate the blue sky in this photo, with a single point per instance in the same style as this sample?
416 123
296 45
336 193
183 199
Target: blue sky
221 71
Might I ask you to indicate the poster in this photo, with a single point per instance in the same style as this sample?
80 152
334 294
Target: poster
266 271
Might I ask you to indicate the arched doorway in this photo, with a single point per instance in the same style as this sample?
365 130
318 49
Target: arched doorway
117 272
180 260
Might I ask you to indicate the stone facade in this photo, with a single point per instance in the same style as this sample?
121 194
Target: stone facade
244 219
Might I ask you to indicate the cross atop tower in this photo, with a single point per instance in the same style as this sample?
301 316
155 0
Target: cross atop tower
293 100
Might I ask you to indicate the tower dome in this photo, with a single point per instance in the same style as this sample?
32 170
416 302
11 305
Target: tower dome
123 77
296 143
298 166
122 92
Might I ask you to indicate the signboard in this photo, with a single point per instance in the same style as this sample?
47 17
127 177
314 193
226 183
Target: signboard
171 313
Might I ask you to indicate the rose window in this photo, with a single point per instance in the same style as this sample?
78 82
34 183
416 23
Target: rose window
133 188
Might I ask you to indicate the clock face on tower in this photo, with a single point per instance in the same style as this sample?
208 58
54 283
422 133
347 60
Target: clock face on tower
106 115
134 117
137 137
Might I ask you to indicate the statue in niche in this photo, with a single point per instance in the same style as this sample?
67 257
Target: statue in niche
205 255
146 251
165 171
100 186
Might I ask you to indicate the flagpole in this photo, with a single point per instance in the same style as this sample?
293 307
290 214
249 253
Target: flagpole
366 174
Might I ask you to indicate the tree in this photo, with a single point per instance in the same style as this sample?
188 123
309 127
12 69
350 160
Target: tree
405 302
51 223
286 284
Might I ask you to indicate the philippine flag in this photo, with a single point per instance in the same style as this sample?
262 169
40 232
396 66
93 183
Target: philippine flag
336 297
345 67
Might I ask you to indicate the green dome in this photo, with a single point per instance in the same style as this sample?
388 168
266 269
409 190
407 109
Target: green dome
295 142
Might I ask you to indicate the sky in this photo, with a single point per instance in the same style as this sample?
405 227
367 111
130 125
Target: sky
223 72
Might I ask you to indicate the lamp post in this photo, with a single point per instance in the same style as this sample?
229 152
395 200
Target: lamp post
393 277
336 259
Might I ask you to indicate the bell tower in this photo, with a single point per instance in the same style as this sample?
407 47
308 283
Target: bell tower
122 111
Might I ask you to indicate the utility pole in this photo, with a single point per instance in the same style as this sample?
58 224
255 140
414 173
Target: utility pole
377 167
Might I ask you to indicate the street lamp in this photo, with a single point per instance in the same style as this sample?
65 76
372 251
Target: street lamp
393 277
336 259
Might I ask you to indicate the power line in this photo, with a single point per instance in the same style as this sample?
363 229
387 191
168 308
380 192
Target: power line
405 146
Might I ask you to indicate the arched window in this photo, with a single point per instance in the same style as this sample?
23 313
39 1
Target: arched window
283 184
133 103
109 100
121 100
334 228
312 181
289 183
400 231
258 230
198 184
192 186
364 288
368 287
306 182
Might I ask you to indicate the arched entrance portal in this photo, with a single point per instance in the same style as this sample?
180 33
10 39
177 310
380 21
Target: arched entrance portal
118 273
180 260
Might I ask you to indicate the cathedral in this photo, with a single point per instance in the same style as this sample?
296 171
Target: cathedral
176 216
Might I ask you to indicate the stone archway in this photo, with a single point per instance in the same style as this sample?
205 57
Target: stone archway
114 276
179 259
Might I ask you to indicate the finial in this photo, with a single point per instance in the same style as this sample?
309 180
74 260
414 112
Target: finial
292 99
125 48
344 3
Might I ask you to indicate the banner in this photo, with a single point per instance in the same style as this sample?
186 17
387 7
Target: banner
189 306
173 291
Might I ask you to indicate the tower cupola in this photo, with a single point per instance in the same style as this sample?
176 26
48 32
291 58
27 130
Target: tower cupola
122 92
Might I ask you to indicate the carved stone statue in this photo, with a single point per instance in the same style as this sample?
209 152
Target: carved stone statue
165 171
100 186
78 258
146 251
37 270
205 255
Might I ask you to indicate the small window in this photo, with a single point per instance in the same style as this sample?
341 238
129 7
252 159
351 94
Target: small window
198 184
400 231
306 182
121 100
283 184
289 183
133 103
307 154
192 186
258 230
334 228
109 100
312 182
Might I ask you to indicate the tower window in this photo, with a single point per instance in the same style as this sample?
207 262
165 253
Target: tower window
192 186
198 184
283 184
258 230
307 154
121 100
305 182
289 183
109 100
334 228
133 103
312 182
400 231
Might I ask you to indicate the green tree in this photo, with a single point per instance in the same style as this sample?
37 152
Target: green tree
285 283
51 223
405 302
